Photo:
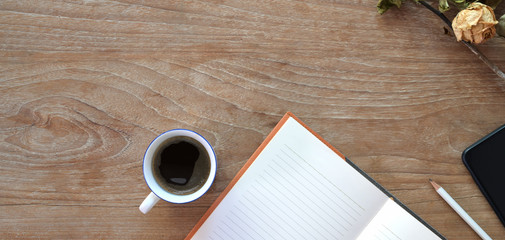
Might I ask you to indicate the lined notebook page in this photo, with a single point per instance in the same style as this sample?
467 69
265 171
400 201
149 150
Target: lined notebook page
296 188
392 222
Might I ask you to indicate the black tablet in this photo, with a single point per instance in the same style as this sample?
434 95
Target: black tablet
485 160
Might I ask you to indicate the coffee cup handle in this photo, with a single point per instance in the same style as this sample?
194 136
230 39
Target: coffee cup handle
148 203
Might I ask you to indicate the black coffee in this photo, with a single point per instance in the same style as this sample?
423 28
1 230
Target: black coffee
182 165
178 161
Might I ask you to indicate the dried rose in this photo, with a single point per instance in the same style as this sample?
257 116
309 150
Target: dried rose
475 24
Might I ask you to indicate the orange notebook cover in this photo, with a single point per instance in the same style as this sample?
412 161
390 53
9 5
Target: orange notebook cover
297 186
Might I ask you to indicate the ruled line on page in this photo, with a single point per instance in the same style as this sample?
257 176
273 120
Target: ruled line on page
390 234
381 235
261 219
292 199
304 160
300 217
243 215
278 205
299 208
225 233
239 226
323 191
233 230
286 218
279 220
315 173
302 195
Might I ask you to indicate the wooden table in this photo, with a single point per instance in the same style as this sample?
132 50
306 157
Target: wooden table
86 85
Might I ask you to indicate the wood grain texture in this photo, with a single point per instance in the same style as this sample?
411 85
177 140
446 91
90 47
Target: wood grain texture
86 85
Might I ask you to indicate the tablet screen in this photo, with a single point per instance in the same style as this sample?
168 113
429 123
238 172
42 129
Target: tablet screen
486 161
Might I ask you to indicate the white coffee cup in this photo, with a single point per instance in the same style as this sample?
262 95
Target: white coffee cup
158 187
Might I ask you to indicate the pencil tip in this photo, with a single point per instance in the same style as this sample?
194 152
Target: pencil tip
434 184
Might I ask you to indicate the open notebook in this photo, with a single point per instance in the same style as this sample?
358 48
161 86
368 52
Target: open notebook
297 186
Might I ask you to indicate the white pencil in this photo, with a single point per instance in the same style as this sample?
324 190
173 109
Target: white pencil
460 211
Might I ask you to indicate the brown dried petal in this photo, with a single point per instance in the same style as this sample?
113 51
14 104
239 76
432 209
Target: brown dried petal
475 24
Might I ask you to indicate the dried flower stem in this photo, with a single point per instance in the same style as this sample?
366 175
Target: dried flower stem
468 44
